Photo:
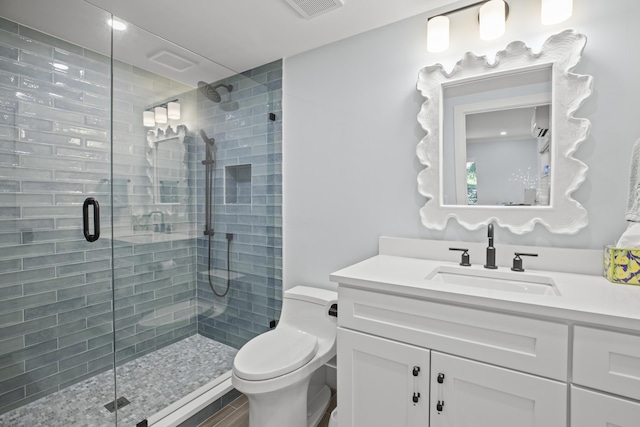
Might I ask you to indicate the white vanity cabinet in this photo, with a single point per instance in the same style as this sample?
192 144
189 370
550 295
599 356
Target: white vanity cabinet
608 362
500 353
485 368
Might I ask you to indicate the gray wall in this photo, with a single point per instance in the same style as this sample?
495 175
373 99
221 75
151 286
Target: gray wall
351 132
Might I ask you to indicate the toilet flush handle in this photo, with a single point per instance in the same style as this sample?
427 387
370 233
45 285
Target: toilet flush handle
333 310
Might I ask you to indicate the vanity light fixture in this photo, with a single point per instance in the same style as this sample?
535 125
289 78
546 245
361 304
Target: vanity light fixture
556 11
148 119
161 113
492 16
438 34
173 110
492 19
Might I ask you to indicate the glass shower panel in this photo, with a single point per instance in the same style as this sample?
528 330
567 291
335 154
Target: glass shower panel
56 331
246 206
214 160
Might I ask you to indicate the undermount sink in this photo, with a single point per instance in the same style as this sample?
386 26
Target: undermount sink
498 280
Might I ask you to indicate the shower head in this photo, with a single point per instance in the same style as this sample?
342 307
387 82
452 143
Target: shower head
211 92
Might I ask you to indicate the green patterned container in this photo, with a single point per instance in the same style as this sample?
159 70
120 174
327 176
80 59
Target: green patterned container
622 265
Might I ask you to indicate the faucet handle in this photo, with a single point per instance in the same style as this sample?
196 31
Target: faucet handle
464 261
517 261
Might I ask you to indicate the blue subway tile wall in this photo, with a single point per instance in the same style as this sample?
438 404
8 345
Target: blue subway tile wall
247 202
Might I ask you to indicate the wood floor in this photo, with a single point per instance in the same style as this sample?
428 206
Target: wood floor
236 414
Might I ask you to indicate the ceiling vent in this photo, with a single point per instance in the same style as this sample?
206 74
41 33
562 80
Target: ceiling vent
171 60
312 8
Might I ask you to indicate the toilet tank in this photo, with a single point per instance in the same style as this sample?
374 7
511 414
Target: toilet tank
307 309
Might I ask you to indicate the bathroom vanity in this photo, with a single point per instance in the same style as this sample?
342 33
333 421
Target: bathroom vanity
423 340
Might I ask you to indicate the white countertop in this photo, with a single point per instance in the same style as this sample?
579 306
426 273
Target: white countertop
584 298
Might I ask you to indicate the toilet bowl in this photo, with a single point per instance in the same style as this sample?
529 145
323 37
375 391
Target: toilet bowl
282 371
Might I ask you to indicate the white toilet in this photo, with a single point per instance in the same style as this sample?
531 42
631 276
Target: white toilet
281 372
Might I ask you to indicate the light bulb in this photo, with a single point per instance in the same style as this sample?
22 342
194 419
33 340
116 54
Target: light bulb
492 19
438 34
556 11
173 110
148 119
160 114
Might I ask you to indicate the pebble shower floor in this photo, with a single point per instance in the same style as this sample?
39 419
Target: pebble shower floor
151 383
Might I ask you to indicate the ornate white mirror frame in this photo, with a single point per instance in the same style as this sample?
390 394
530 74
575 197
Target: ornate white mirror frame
563 214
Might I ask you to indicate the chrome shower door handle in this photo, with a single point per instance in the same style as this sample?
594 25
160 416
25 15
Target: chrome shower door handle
96 219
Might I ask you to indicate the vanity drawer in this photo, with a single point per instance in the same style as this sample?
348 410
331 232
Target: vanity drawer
592 409
608 361
524 344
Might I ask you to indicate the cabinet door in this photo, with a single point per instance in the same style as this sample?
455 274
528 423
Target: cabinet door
591 409
473 394
376 382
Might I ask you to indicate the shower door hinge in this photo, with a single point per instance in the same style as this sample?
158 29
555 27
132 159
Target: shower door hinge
143 423
273 324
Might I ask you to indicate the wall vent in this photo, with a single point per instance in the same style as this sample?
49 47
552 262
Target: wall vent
312 8
171 60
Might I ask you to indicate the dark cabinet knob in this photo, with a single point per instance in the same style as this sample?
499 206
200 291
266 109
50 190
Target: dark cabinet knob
439 406
440 378
416 371
416 397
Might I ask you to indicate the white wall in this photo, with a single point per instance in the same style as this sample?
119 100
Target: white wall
350 134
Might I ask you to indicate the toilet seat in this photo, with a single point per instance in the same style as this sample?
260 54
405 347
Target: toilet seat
275 353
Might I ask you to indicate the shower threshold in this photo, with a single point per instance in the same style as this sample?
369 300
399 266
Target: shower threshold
160 386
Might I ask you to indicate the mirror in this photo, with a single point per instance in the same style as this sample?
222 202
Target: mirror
501 137
497 150
167 156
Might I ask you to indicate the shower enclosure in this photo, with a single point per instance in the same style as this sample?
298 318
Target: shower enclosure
114 260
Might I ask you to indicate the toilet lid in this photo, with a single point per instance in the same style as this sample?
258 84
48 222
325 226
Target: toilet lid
274 353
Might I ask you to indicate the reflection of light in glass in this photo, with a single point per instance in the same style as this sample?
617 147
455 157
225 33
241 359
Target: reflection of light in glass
527 178
160 114
148 119
117 25
60 67
504 132
173 110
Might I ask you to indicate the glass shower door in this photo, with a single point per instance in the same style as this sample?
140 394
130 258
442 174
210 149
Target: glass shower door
56 328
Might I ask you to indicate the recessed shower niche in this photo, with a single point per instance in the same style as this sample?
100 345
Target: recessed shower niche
237 184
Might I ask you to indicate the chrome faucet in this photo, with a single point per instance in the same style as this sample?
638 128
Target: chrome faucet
491 251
